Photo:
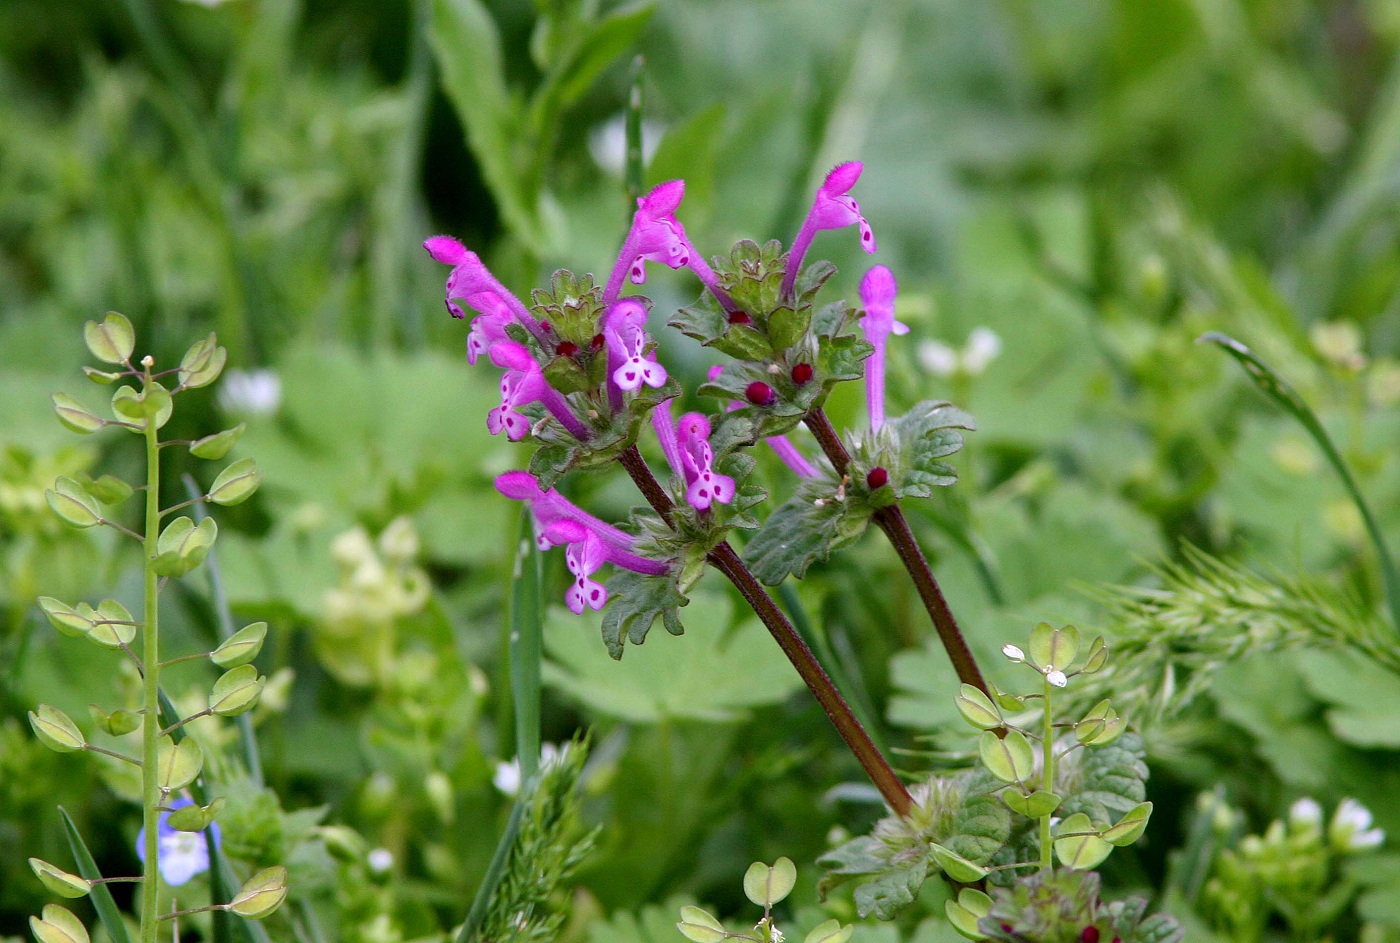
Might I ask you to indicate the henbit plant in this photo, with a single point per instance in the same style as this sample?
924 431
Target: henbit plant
581 381
177 807
1047 790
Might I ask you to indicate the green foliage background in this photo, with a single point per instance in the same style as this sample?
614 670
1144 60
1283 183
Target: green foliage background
1098 181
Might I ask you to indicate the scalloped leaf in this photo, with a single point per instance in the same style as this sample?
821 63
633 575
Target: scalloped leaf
635 602
1107 781
800 533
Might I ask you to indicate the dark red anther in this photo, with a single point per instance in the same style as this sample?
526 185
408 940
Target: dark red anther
566 349
1090 935
802 374
759 393
544 326
597 343
740 317
877 478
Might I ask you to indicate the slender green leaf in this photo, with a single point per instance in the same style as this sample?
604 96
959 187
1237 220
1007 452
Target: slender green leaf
1282 393
101 897
526 648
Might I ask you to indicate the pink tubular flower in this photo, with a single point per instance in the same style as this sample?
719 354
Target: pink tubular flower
524 383
487 330
832 209
624 329
471 281
657 236
792 458
590 542
877 292
584 558
704 485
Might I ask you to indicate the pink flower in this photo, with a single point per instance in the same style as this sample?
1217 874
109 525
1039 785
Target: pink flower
704 485
657 236
522 384
877 293
472 282
589 542
833 208
584 558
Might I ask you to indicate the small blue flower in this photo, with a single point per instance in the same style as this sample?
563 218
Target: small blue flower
180 855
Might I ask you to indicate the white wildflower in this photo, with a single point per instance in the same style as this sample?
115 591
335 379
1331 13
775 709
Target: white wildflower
380 860
1351 829
250 392
507 778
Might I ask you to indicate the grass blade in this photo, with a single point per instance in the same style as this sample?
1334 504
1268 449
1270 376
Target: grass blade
1283 395
101 897
526 633
497 868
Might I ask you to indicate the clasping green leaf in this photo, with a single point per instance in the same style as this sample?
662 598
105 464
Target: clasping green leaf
977 709
262 893
699 926
1080 849
58 925
194 818
241 647
59 881
1130 827
829 931
236 483
55 730
216 446
111 341
178 763
956 866
202 363
236 692
1008 758
765 885
72 502
75 416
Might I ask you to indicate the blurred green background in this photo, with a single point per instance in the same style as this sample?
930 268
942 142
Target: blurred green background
1096 181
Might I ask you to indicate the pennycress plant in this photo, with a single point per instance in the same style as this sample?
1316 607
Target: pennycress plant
765 885
175 799
1049 799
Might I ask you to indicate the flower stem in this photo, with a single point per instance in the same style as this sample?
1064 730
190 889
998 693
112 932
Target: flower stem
727 561
1047 776
891 520
150 720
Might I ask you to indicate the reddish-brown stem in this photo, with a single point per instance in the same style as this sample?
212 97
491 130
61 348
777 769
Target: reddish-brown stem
891 520
728 562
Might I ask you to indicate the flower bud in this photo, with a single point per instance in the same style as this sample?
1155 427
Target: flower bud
802 374
759 393
877 478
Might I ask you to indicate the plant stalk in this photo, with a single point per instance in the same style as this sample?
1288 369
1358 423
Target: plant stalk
891 520
150 720
1047 776
727 561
